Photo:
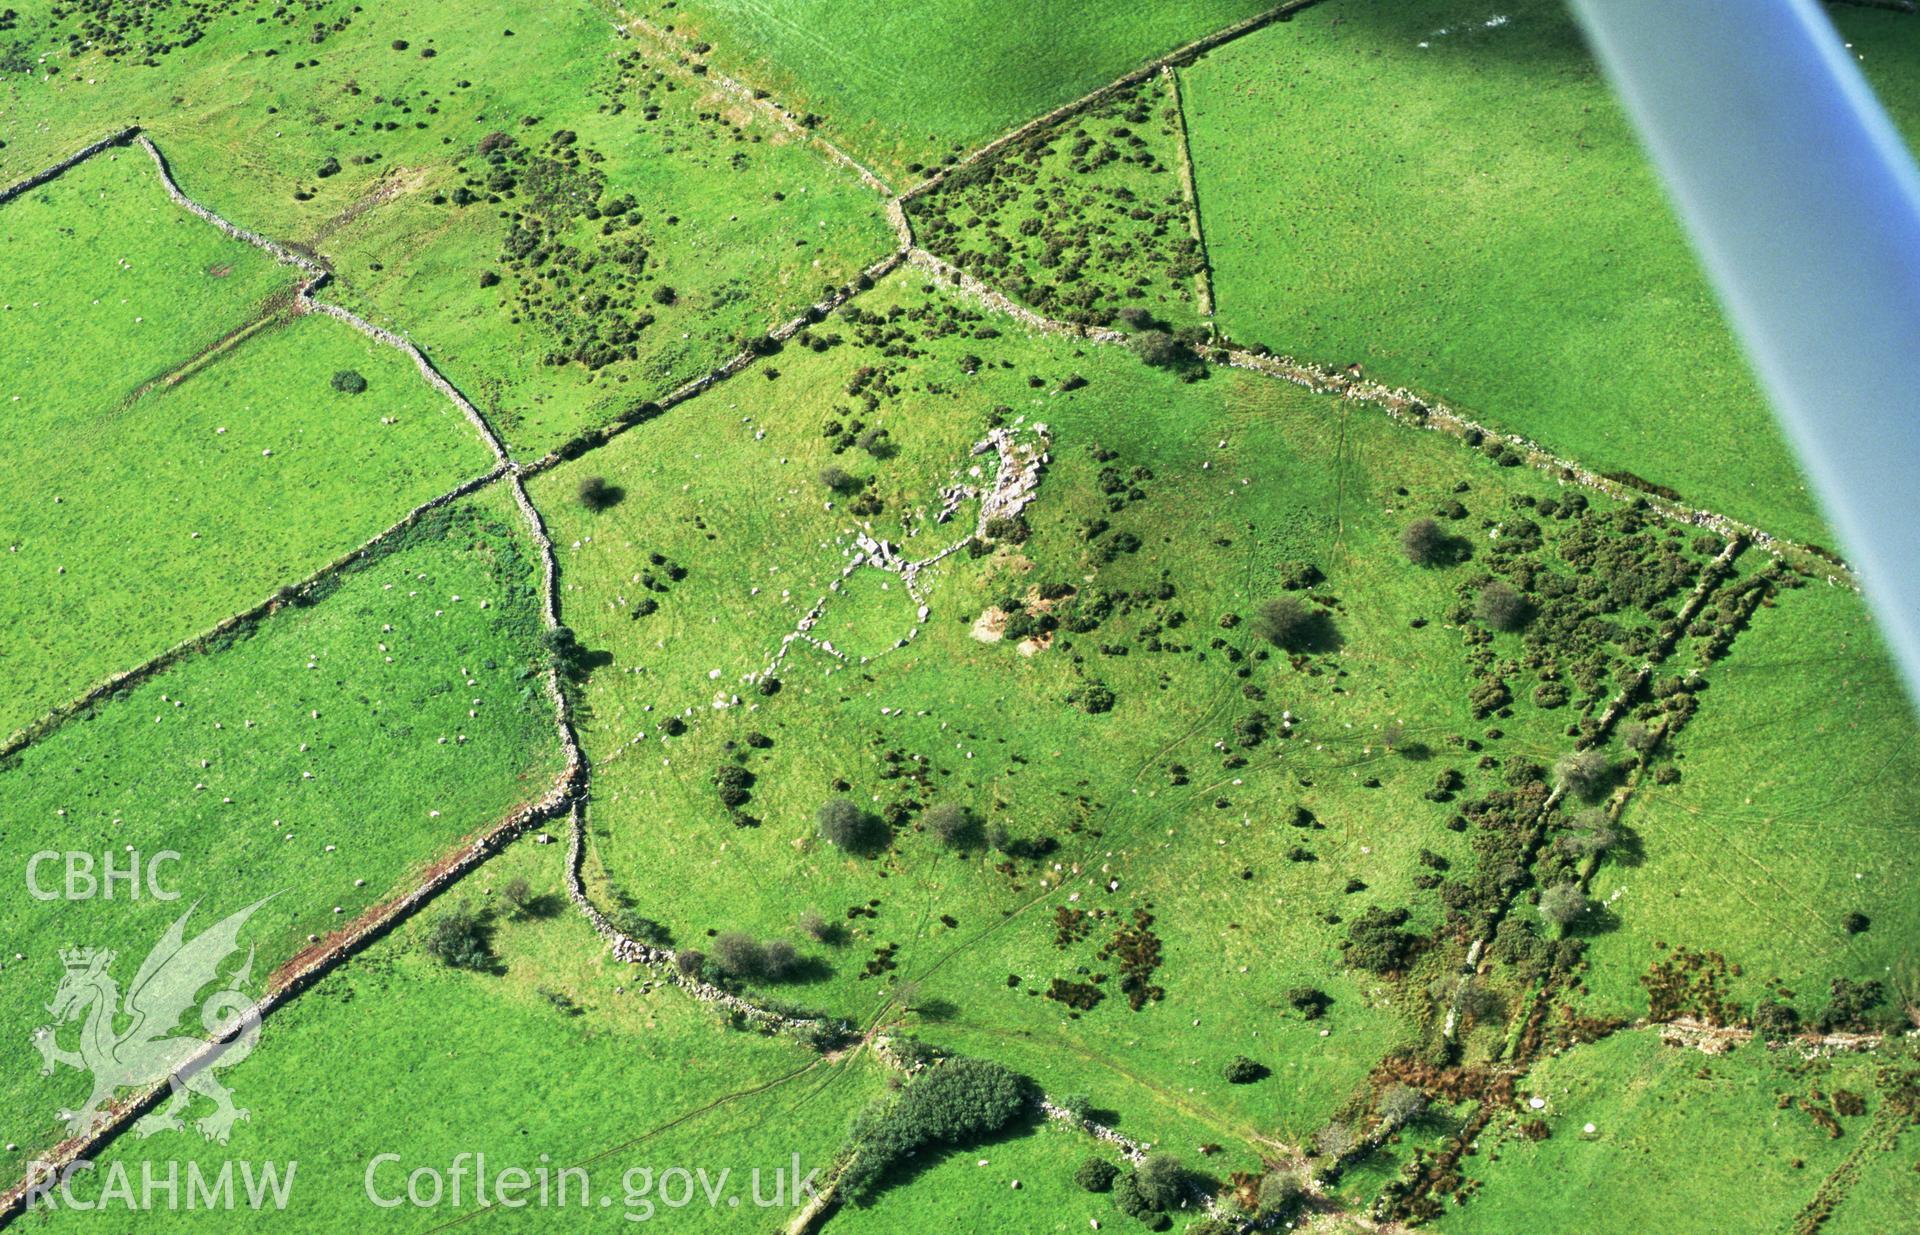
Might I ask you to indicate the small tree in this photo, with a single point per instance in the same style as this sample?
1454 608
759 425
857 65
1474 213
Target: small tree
1562 903
565 651
459 939
1287 622
1161 1180
1334 1141
845 826
1160 349
1425 544
1501 607
349 382
954 824
1590 833
518 894
1279 1192
739 954
1096 1175
1775 1021
1583 773
597 495
839 479
778 960
814 925
1401 1105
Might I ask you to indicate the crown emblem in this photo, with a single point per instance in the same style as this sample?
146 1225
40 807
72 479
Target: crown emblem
81 958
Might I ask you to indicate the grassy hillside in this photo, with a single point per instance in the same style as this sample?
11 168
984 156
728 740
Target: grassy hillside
555 1059
180 448
1652 1109
908 87
1455 202
325 757
568 220
1186 506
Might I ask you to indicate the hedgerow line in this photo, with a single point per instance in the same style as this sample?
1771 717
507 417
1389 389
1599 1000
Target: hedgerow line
1189 188
292 593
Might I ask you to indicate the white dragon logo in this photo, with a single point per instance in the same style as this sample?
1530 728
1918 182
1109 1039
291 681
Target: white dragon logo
142 1053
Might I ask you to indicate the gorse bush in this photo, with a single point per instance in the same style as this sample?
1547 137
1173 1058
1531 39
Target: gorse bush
847 827
1501 607
1242 1071
349 382
1291 624
460 938
954 824
1096 1175
955 1101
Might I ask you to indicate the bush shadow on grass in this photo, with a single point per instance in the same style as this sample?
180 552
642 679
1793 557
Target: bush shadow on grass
1598 919
1317 636
541 908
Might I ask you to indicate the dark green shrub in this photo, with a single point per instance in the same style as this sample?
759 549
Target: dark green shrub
1376 943
1775 1021
954 824
597 495
349 382
1161 1180
1096 1175
1310 1002
1242 1071
461 938
1848 1005
845 826
954 1101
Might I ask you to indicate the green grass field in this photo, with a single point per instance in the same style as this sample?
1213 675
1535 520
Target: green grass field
1652 1108
164 483
1759 853
557 1059
892 82
326 758
1019 1182
1216 722
1517 262
1263 474
742 223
